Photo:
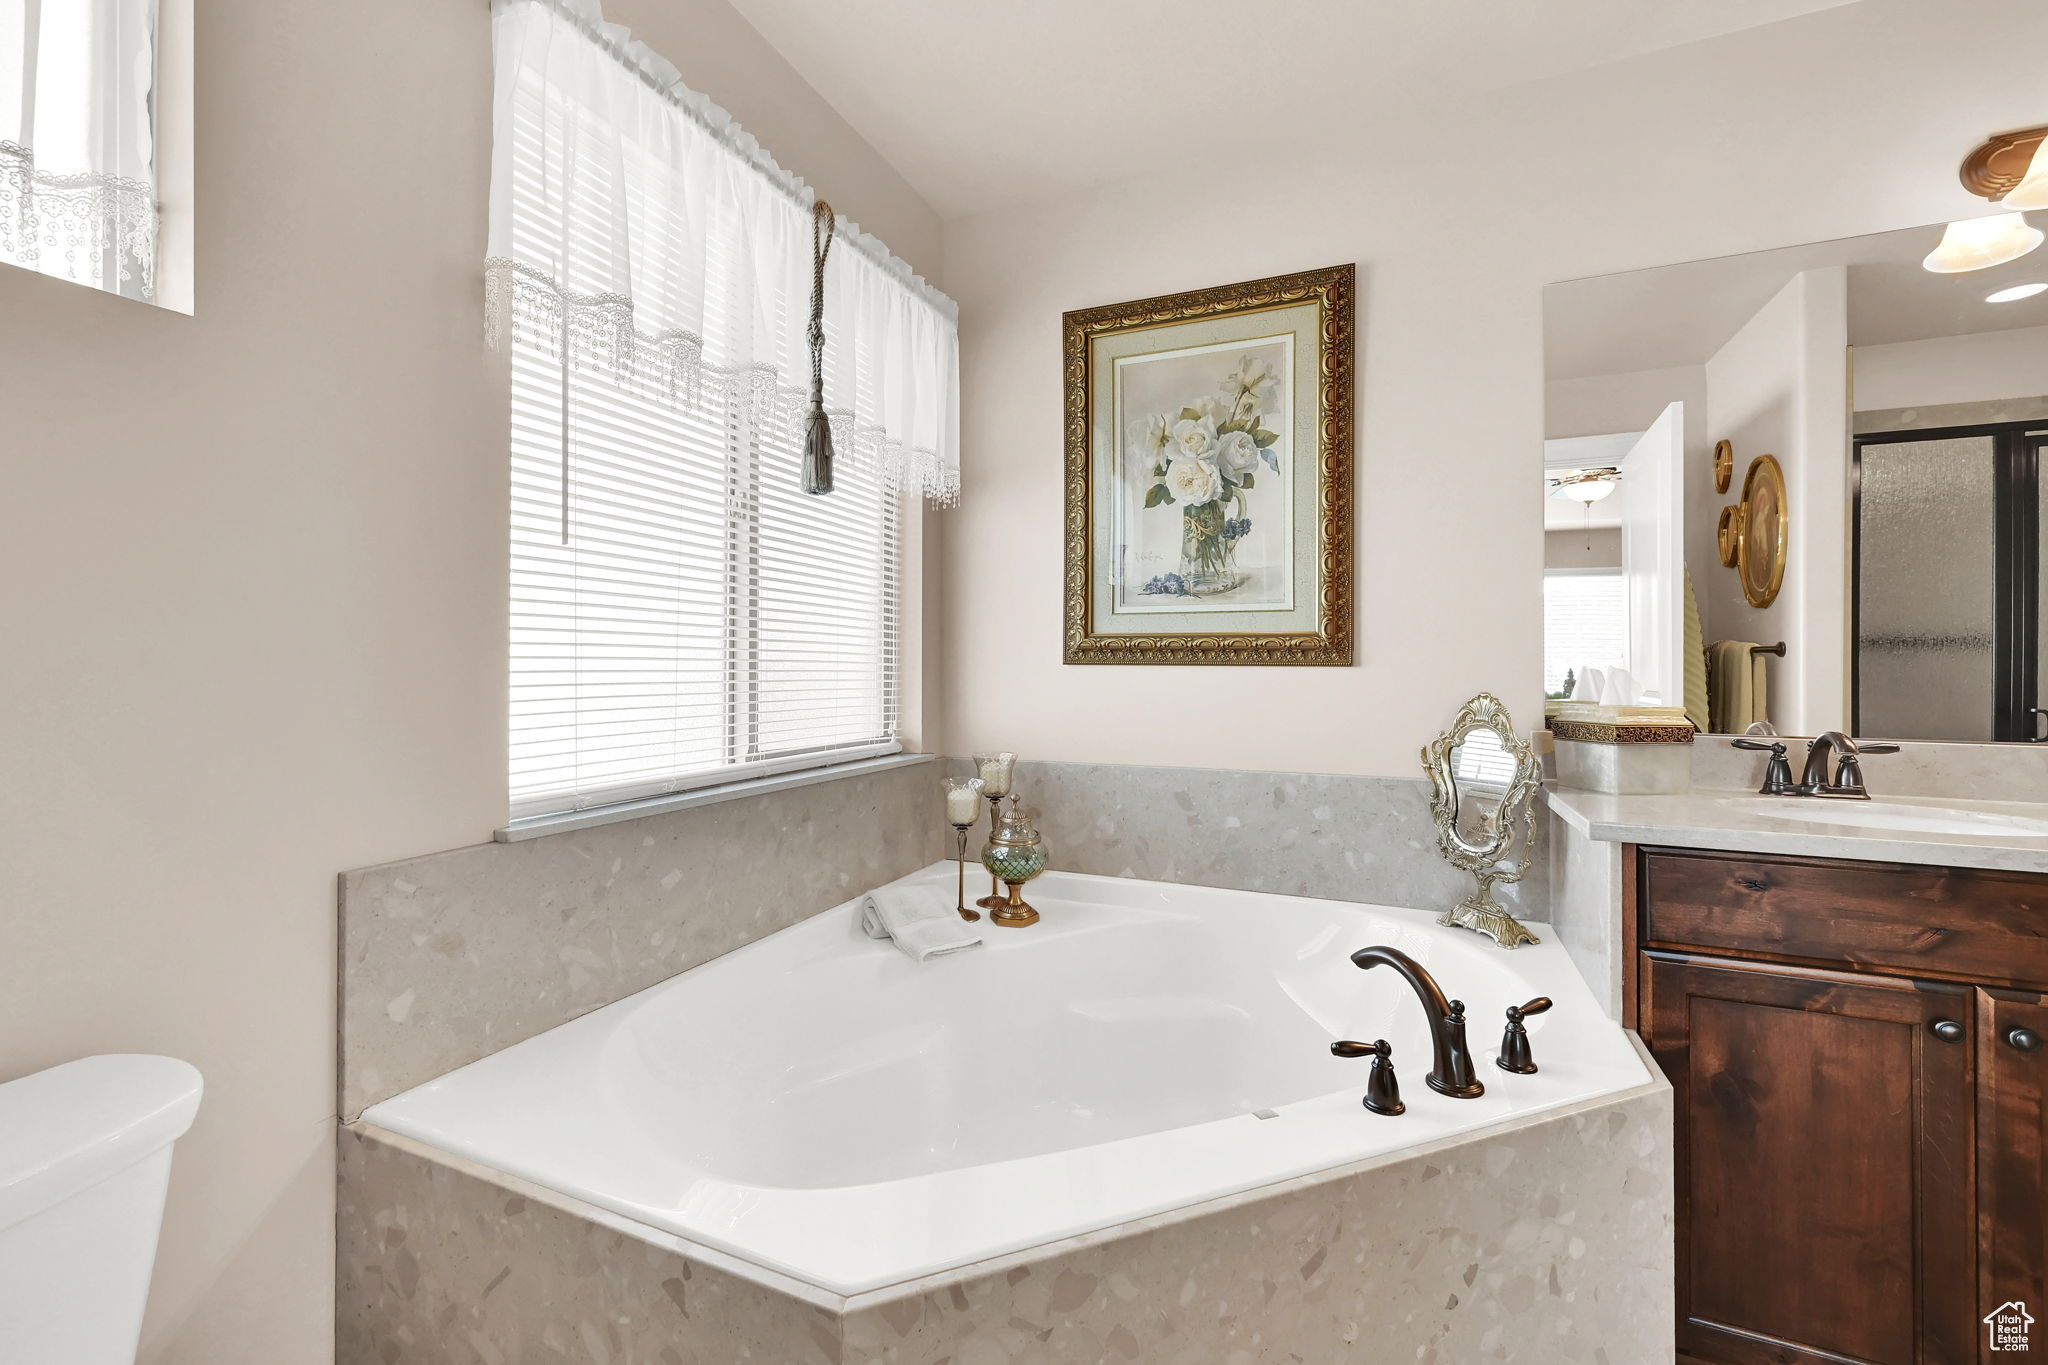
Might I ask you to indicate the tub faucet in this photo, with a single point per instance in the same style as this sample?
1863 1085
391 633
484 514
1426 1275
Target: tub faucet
1451 1073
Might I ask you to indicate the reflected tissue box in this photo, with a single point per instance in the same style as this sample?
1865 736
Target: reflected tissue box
1622 750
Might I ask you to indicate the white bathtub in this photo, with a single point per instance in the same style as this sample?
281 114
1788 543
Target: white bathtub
818 1104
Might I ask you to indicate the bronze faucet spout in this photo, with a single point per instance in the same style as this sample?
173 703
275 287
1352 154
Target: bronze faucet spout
1451 1071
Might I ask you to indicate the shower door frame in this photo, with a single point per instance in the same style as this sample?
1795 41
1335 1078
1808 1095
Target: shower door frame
2018 450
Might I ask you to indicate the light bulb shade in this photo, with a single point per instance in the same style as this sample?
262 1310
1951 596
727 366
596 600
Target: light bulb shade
1980 243
2032 191
1587 486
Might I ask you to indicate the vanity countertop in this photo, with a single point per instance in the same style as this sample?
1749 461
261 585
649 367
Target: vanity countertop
1741 821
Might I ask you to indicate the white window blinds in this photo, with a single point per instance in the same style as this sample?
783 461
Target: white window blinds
682 613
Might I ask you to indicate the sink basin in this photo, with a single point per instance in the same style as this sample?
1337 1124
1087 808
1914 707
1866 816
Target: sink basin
1890 815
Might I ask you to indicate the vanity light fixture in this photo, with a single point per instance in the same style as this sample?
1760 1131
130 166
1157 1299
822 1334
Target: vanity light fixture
2032 191
1585 485
2017 291
1998 167
1980 243
2010 170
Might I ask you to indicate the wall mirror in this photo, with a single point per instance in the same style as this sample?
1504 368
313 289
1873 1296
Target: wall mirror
1818 468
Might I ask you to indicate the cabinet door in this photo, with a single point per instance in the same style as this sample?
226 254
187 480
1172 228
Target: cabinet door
2012 1163
1824 1147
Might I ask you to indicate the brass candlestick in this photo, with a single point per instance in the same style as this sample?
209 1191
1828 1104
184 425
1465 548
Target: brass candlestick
963 807
995 899
995 768
960 900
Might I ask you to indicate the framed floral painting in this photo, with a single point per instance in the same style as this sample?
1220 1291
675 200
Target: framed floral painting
1208 491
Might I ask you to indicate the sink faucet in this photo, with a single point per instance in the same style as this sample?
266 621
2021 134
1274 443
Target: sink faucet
1847 782
1451 1073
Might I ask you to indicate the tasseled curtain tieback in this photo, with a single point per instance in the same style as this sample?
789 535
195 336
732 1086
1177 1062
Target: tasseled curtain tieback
817 429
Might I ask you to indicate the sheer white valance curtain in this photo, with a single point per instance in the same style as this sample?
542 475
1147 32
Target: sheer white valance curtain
77 141
657 240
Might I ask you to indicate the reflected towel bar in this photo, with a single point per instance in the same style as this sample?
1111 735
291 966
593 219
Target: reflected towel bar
1777 649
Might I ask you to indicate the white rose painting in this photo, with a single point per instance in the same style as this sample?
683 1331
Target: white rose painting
1205 488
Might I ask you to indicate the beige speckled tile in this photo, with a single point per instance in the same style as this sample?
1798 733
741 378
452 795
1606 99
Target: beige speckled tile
1339 837
439 1263
1540 1241
450 957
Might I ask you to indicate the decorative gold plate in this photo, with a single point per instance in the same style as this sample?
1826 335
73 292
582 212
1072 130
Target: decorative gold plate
1760 548
1724 470
1728 534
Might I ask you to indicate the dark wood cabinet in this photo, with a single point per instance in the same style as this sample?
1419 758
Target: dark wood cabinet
1861 1084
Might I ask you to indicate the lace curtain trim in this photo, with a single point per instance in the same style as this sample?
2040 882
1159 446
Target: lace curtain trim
44 215
598 332
658 72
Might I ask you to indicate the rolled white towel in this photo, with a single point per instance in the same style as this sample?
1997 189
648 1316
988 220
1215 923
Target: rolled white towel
922 925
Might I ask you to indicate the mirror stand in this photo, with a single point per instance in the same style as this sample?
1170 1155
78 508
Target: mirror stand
1481 746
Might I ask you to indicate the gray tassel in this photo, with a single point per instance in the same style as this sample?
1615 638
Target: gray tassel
817 445
817 427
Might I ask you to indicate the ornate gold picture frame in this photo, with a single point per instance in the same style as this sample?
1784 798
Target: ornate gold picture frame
1208 490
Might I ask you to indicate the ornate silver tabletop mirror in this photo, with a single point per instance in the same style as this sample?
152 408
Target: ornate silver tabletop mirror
1484 803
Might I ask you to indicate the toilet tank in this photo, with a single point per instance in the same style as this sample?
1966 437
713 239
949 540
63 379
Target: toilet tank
85 1156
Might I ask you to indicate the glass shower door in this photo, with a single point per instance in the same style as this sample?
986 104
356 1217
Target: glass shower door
1926 589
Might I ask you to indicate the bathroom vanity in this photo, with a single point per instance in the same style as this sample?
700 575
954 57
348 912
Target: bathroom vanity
1856 1052
1850 1001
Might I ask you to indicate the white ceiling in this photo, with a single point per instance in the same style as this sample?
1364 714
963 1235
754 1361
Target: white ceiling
1681 314
982 103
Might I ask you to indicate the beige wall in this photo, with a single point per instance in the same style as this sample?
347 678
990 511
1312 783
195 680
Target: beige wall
1456 225
1597 547
254 618
1979 367
252 627
1779 387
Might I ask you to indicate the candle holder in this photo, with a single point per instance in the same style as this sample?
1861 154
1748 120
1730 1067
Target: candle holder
963 799
1015 854
996 768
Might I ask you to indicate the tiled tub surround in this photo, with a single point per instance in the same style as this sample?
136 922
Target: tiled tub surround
450 957
864 1119
892 1207
1545 1239
1336 836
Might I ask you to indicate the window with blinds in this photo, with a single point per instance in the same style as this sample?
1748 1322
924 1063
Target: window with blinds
682 613
1585 621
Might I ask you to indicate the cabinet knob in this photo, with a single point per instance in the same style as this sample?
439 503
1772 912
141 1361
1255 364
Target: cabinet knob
1949 1031
2025 1039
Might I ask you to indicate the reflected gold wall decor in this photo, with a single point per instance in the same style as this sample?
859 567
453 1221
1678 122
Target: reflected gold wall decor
1760 545
1208 475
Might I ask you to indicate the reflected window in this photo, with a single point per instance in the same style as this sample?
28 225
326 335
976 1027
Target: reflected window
1585 621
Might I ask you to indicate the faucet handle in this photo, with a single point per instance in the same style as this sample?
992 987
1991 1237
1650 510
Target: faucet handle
1514 1044
1777 772
1382 1089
